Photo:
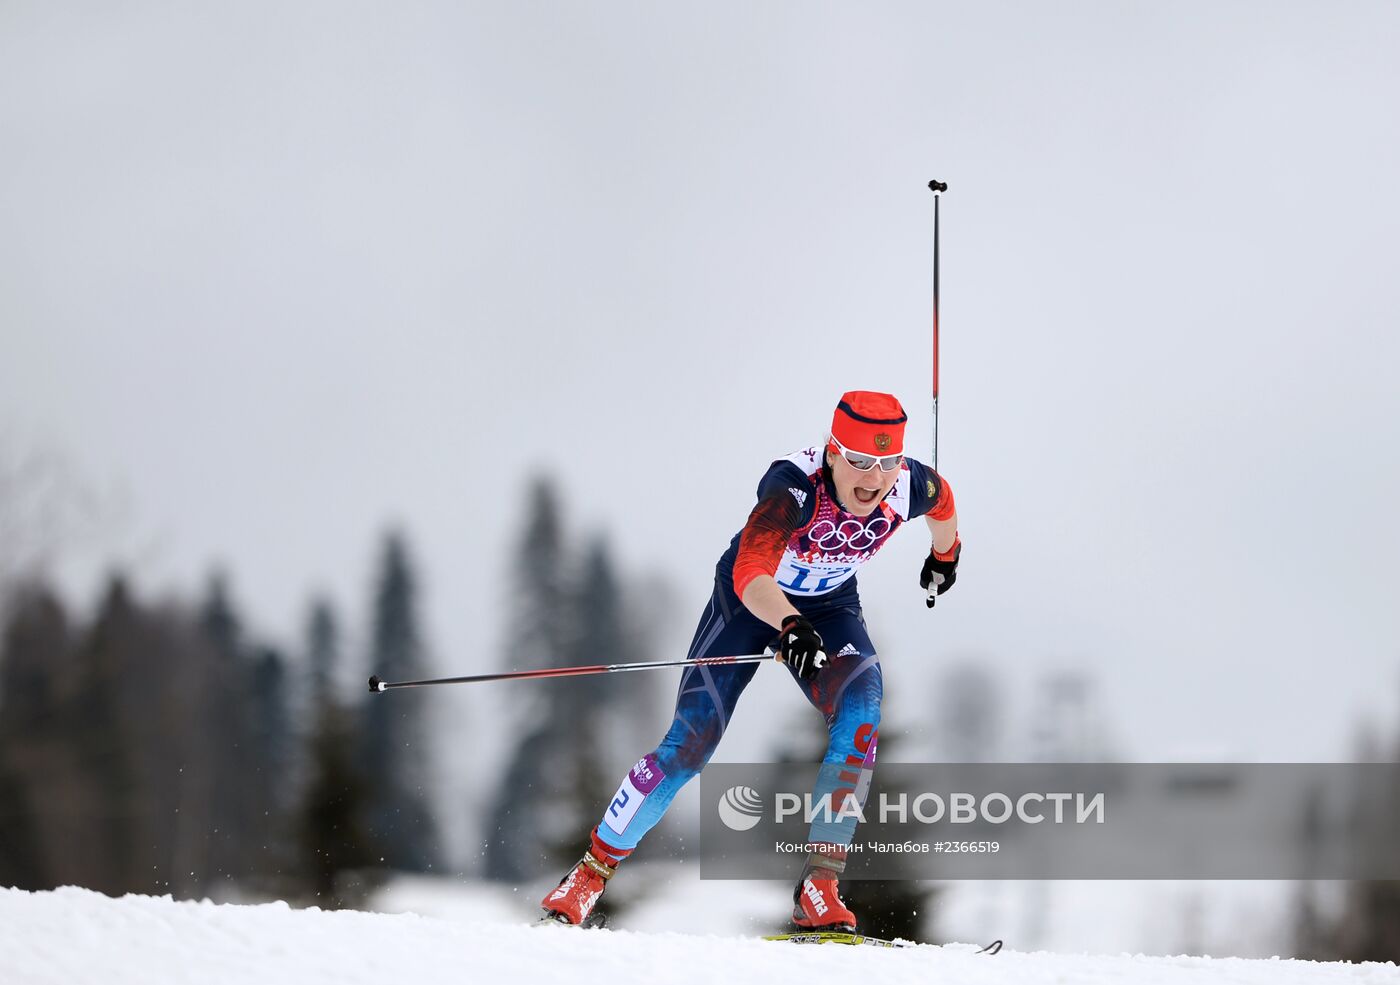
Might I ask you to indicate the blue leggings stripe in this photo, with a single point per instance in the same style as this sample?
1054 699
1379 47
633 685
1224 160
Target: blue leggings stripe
710 626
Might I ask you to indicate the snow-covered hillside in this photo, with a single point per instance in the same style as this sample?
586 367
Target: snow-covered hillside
74 936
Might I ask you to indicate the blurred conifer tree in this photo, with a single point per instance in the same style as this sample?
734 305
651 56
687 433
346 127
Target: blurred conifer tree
540 625
34 652
334 846
394 750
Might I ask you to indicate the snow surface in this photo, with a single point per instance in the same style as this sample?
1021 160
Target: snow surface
74 936
1250 919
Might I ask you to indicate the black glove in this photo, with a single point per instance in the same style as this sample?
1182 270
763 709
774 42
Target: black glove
800 647
939 572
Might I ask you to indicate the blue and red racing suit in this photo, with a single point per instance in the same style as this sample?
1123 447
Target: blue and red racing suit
799 534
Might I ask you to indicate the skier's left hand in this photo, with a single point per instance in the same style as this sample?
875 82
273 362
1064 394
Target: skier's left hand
940 571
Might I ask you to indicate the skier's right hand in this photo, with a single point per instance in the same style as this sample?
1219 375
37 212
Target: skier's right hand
800 647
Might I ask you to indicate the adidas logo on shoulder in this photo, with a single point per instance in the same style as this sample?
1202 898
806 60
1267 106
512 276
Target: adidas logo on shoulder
849 650
798 495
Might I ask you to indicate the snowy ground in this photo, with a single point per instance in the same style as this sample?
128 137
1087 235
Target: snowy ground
1237 919
75 936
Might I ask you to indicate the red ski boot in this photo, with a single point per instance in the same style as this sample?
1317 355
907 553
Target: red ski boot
572 901
816 902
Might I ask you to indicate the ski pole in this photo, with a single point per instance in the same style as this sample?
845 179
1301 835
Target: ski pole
937 187
376 685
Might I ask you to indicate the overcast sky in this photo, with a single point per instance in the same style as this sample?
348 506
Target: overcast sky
288 273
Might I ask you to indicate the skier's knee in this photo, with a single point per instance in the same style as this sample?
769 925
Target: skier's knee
851 746
867 733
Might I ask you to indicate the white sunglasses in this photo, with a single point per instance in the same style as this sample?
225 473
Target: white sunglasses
864 463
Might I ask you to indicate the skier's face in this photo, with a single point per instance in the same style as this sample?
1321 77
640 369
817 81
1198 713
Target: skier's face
860 492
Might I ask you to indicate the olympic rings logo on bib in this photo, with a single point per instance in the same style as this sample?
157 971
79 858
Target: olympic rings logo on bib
850 535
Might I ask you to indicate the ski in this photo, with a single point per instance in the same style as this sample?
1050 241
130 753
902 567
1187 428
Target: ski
594 921
838 937
850 938
858 940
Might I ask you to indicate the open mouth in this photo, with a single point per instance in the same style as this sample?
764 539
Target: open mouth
866 496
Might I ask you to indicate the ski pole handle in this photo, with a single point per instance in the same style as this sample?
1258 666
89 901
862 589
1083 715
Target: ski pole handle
376 685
